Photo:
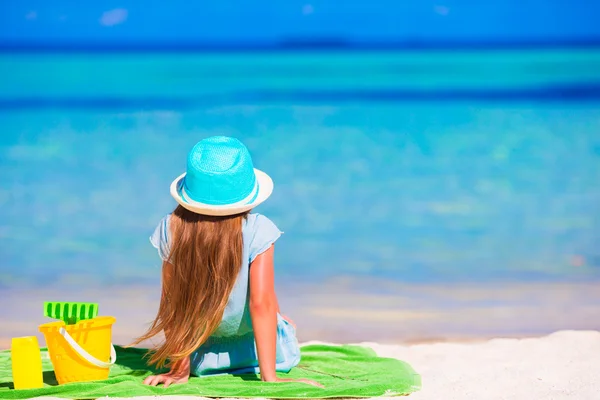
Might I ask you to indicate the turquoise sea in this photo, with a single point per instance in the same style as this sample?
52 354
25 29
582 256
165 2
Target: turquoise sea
409 166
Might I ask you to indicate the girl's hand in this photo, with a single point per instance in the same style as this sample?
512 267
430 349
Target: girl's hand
166 379
180 373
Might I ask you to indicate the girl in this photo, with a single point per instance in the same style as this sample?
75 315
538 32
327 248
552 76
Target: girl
218 310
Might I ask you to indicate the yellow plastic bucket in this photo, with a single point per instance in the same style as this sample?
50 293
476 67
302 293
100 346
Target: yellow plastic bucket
81 352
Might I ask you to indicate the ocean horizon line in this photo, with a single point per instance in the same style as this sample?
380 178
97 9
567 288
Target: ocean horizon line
298 46
589 91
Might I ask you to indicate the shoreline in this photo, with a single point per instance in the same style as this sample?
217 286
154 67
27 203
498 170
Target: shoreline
5 342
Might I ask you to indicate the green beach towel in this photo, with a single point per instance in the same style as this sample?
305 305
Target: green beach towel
345 371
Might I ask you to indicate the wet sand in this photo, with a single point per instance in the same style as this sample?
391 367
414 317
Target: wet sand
349 310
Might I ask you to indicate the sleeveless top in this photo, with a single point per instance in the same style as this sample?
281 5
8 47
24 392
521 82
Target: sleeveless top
258 233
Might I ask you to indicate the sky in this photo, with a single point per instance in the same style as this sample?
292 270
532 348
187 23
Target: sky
250 21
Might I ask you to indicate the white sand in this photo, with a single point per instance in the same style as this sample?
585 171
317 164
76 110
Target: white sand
563 365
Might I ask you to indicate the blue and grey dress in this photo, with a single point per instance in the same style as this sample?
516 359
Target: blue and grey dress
231 348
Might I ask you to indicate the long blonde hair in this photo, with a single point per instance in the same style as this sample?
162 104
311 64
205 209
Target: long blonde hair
206 255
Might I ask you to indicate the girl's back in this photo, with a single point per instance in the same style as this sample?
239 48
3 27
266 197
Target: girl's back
258 233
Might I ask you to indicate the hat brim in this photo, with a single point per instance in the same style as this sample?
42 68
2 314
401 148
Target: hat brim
265 188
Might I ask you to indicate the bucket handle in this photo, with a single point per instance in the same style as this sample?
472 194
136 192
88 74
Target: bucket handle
87 356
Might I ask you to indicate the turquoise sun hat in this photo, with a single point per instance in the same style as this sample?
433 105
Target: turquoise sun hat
220 179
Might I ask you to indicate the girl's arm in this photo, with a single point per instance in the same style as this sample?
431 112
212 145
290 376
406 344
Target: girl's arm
263 311
180 371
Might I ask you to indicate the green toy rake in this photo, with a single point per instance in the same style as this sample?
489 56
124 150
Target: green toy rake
70 312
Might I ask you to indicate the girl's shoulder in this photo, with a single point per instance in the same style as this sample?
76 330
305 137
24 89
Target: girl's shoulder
260 233
259 223
160 237
255 219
